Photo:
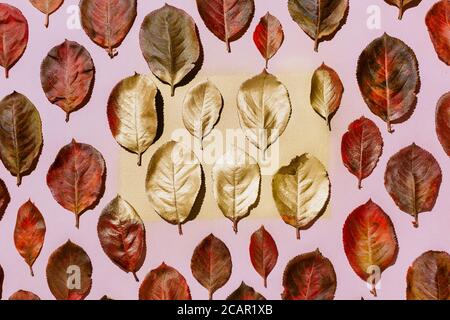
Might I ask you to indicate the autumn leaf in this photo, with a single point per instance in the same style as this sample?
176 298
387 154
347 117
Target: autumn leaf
403 5
264 109
24 295
67 76
132 114
211 264
263 253
77 178
174 179
268 36
69 272
164 283
326 92
122 235
4 198
413 178
443 122
309 276
370 242
361 148
20 135
228 20
244 292
170 44
202 106
301 191
14 32
388 77
47 7
107 22
236 180
429 277
437 21
319 19
29 233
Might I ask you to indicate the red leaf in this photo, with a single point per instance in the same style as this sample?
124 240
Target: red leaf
413 178
437 21
443 122
228 20
263 253
77 178
309 276
211 264
122 235
47 7
244 292
14 32
107 22
164 283
370 242
69 272
29 233
67 76
4 198
268 36
24 295
361 148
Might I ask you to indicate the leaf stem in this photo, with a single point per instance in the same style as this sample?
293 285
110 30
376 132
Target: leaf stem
31 271
265 282
6 72
227 41
19 179
298 233
210 295
77 221
67 116
235 226
47 20
416 220
180 229
139 162
135 277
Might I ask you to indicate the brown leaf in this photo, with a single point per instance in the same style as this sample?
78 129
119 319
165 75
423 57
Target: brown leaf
309 276
122 235
388 77
437 21
24 295
69 272
268 36
228 20
244 292
429 277
107 22
403 5
20 135
370 242
170 44
361 148
164 283
413 178
67 76
263 253
47 7
14 32
443 122
211 264
4 198
29 233
77 178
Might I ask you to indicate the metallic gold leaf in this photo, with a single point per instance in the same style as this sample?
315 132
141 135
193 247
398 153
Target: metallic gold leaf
319 19
201 109
264 109
132 114
236 179
47 7
301 191
20 135
174 179
403 5
326 92
170 44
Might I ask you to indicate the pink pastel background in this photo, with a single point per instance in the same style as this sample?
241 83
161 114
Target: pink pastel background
296 56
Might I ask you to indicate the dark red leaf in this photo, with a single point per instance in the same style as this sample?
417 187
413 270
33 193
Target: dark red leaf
29 233
361 148
4 198
268 36
309 276
443 122
24 295
164 283
437 21
263 253
244 292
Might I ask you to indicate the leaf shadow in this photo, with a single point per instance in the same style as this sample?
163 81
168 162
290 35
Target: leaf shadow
159 105
6 198
196 207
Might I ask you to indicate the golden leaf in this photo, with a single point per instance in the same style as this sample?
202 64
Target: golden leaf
301 191
201 109
132 115
264 109
174 179
326 92
236 179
